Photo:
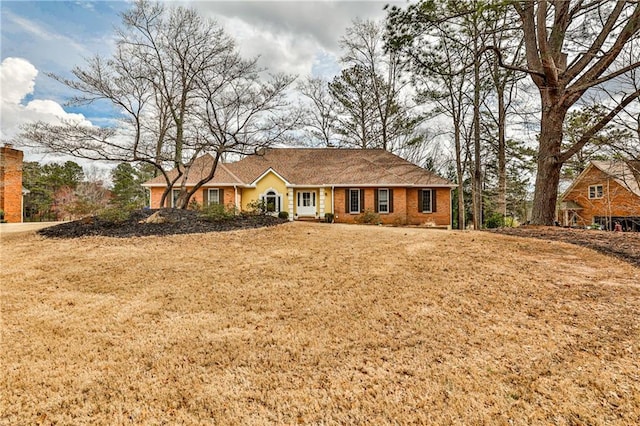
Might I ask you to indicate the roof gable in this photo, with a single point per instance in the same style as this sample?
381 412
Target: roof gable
626 174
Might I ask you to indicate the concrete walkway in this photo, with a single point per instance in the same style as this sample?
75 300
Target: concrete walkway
11 228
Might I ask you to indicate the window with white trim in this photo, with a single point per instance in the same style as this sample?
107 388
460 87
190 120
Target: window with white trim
354 201
426 201
383 201
596 191
214 196
272 202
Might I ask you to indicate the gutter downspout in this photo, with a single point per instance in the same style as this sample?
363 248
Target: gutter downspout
235 198
333 200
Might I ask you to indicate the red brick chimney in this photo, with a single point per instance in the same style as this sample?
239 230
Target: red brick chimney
11 183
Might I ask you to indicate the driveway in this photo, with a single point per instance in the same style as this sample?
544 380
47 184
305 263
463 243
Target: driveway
11 228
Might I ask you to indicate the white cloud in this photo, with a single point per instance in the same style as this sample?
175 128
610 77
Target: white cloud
17 81
296 37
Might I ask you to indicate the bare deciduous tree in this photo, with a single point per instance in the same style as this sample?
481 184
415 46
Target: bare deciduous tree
181 90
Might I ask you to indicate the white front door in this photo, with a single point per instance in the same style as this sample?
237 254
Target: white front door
306 203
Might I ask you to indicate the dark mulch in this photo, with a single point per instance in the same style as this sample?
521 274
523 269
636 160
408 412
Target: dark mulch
623 245
177 222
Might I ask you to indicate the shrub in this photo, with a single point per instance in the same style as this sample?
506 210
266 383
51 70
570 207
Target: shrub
257 207
216 212
368 217
194 205
329 217
283 215
115 214
494 220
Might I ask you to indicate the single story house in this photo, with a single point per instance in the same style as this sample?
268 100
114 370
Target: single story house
312 182
606 192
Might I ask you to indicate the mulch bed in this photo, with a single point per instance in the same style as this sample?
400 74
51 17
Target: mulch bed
623 245
177 221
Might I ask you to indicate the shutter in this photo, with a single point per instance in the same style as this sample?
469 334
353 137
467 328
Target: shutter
205 196
420 200
375 200
362 200
221 196
433 201
390 200
347 202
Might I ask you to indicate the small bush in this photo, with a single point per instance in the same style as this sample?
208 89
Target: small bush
495 220
283 215
329 217
194 205
257 207
216 212
369 217
115 214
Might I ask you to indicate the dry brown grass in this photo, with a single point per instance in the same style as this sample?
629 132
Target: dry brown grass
321 324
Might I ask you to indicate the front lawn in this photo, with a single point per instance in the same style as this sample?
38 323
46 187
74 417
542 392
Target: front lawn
307 323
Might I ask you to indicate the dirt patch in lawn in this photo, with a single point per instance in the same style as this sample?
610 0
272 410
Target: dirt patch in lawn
623 245
164 222
309 323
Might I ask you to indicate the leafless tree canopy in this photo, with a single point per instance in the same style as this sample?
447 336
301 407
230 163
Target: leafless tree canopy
180 89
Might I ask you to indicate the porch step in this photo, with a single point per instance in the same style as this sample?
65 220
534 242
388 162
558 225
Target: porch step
307 219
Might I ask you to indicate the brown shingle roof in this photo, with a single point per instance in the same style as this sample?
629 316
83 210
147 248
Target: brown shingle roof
323 166
199 170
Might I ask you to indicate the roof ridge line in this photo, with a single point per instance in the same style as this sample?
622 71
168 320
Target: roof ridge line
233 175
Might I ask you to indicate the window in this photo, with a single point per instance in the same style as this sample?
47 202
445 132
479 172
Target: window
595 191
425 202
383 201
272 202
354 201
214 196
175 193
306 199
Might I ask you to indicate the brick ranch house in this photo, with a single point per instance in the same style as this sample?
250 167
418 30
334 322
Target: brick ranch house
11 190
606 192
312 182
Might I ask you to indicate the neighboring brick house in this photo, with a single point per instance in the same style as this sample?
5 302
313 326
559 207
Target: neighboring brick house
11 190
312 182
606 192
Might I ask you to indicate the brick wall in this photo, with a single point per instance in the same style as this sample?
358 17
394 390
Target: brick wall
617 200
11 183
156 195
405 207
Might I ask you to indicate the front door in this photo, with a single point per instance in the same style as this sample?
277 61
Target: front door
306 203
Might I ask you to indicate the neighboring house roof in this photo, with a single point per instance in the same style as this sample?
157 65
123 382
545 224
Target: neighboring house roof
318 166
625 173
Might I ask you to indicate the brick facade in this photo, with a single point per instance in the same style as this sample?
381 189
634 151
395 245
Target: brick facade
405 207
11 183
228 194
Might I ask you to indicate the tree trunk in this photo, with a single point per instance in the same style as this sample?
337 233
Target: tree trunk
477 172
461 209
502 161
548 174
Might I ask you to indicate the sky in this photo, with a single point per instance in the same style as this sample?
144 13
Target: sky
42 37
